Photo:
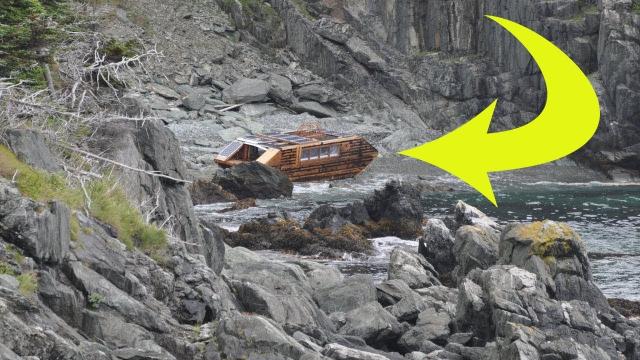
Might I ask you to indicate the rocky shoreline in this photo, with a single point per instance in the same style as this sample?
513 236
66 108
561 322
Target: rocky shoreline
470 289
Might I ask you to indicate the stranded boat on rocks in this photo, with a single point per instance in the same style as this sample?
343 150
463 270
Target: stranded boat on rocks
306 154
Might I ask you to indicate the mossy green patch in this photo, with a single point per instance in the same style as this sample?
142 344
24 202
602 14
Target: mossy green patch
116 50
549 239
6 269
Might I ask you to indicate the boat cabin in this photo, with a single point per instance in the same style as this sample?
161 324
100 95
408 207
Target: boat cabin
306 154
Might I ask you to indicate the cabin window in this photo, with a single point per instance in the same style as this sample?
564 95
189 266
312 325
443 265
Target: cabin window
305 155
335 150
320 153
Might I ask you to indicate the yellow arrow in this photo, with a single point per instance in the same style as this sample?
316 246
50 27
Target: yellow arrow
567 122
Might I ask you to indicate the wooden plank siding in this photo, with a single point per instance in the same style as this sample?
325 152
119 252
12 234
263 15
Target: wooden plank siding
355 155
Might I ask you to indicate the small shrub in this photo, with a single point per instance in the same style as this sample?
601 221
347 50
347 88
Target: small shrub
635 7
28 283
15 253
95 299
116 50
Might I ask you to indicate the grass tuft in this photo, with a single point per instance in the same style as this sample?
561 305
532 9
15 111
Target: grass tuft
28 283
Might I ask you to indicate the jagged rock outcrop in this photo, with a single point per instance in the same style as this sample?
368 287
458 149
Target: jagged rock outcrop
556 254
396 210
412 268
154 148
436 245
30 147
475 247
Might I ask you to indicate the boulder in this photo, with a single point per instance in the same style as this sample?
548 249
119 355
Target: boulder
436 245
314 92
205 191
254 180
313 108
163 91
247 336
465 214
557 255
280 88
246 91
392 291
41 230
372 323
412 268
475 247
194 101
31 148
432 325
396 210
354 292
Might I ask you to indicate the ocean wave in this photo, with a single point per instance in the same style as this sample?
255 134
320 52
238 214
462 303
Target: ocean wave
590 183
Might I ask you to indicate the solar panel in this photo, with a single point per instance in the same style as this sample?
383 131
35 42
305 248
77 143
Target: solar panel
230 149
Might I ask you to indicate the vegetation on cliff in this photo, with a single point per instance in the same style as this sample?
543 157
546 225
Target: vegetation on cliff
103 198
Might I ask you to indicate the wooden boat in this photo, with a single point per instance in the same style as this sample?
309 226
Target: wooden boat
306 154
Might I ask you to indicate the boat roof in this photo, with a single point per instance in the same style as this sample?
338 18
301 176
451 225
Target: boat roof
306 134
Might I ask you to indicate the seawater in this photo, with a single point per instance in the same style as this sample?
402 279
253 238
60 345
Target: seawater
606 215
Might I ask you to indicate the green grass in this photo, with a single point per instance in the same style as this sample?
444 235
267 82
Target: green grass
6 269
109 203
28 283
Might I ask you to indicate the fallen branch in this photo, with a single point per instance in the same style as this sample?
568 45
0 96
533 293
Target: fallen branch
98 157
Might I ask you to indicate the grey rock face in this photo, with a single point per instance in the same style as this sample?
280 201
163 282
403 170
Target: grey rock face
213 247
352 293
254 180
412 268
31 148
246 91
332 218
475 247
42 230
465 214
152 147
511 305
372 323
436 245
341 352
254 337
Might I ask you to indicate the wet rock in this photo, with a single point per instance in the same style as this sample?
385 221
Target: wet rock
465 214
372 323
246 91
41 230
557 254
475 247
436 245
205 191
254 180
31 148
412 268
354 292
334 219
396 210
